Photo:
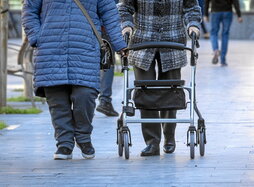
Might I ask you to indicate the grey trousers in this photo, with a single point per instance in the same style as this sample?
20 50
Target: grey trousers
72 110
152 131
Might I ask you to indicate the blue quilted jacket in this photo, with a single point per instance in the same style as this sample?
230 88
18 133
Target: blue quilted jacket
67 51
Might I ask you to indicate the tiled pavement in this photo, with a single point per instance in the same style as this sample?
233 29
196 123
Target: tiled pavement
225 98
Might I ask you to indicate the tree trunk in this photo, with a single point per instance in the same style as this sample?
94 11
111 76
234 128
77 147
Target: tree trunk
3 50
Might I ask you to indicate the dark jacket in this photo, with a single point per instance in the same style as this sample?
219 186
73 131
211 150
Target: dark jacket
67 50
222 6
157 20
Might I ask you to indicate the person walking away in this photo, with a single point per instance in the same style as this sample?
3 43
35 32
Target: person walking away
221 15
106 78
206 34
67 64
158 21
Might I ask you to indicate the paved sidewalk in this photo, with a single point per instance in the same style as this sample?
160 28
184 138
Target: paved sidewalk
225 98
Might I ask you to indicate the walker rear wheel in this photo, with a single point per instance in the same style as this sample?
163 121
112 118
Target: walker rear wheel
192 145
126 145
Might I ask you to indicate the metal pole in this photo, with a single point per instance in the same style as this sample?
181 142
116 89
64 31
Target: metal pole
4 5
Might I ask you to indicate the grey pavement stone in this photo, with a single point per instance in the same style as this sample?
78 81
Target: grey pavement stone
225 98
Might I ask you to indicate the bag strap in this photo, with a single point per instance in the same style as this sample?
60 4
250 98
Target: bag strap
83 10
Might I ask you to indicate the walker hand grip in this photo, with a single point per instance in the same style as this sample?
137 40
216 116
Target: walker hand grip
194 39
126 37
124 59
194 45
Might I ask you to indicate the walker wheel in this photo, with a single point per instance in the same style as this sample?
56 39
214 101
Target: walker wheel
120 143
192 145
202 142
126 145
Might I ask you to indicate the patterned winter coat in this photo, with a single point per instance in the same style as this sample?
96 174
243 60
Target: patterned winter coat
159 20
67 49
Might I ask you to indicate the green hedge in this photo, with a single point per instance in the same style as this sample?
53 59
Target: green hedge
2 125
22 99
11 110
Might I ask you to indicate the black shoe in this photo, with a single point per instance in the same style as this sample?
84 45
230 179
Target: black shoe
106 108
224 64
169 146
151 150
63 153
87 149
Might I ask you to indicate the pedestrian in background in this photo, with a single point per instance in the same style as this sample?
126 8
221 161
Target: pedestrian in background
206 34
107 76
67 64
221 15
251 5
155 20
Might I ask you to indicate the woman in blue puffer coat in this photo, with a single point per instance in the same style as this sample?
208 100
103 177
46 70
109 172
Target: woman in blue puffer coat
67 64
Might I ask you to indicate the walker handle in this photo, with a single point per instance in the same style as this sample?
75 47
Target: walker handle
127 37
161 44
194 45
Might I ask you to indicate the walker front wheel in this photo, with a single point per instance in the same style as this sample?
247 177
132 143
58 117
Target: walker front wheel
192 145
202 142
126 145
120 143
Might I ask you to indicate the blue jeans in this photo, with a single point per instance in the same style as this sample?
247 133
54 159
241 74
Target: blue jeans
224 18
106 79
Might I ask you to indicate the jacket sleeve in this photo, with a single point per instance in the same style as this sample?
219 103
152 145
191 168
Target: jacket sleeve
126 10
206 9
31 19
111 21
192 13
237 7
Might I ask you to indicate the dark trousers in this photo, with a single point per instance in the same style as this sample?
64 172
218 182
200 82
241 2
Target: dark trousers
72 110
152 131
106 78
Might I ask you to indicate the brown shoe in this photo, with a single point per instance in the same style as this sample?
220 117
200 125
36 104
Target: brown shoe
206 36
215 59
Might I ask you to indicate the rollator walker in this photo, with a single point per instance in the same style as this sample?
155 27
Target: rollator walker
195 135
